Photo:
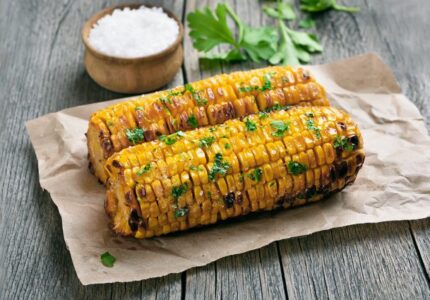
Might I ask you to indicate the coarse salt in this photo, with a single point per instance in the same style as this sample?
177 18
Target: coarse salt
134 32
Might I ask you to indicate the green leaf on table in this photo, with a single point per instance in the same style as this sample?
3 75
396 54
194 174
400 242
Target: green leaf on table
107 259
307 23
322 5
282 11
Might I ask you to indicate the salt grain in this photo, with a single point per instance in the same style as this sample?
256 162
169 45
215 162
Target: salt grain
134 32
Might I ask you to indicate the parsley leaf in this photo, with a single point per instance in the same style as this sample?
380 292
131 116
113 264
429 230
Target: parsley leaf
135 135
277 107
206 142
342 143
178 191
263 115
280 127
192 121
256 175
144 169
296 168
307 23
107 259
181 212
311 126
196 96
250 125
282 11
321 5
139 108
172 138
220 166
209 29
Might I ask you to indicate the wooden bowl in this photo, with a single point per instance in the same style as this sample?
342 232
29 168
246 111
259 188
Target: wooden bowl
132 75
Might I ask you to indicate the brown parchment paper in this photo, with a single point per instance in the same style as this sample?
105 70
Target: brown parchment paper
393 184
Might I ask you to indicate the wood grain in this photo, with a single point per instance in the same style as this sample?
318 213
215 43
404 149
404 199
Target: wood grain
41 71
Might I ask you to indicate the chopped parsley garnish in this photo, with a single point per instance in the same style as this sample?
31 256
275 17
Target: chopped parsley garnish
181 212
178 191
209 195
220 167
192 121
241 177
296 168
277 107
250 125
267 85
172 138
196 168
107 259
212 129
250 88
272 183
309 114
144 169
256 175
139 108
172 93
343 144
311 125
206 142
135 135
280 127
165 100
200 101
263 115
227 146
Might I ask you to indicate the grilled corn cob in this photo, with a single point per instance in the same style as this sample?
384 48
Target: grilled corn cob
207 102
261 162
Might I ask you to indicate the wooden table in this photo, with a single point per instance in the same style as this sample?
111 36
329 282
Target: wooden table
41 71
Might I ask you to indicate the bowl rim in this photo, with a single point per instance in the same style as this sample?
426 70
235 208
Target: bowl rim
86 28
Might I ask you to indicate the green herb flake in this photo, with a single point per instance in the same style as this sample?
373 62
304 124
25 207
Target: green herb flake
220 167
206 142
172 138
256 175
247 89
200 101
267 85
250 125
144 169
212 129
165 100
311 126
135 135
343 144
309 114
280 127
196 168
178 191
139 108
277 107
263 115
227 146
181 212
107 259
296 168
192 121
241 177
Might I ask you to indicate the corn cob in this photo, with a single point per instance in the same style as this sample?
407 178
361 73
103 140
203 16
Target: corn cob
264 161
207 102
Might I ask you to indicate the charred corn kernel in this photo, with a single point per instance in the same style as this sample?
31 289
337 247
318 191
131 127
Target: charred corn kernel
208 102
263 174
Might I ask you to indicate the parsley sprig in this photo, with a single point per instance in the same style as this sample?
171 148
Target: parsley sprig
342 143
280 127
172 138
135 135
220 167
314 6
145 169
296 168
256 175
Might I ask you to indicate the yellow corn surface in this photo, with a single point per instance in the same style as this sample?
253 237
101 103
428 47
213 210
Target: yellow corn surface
208 102
260 162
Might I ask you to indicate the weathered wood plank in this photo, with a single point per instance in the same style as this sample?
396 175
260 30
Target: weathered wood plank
358 262
41 62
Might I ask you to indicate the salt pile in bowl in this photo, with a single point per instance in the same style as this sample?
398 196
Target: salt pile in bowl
134 33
